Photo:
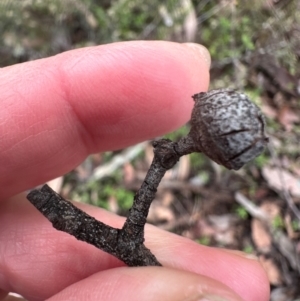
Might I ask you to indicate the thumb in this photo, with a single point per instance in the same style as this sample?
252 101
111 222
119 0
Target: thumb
147 283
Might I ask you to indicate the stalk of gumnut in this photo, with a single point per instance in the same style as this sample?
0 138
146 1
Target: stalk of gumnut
225 125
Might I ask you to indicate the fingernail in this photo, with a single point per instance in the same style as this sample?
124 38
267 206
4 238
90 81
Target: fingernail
213 298
201 51
242 254
206 296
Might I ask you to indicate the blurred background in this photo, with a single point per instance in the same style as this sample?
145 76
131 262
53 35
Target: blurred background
255 48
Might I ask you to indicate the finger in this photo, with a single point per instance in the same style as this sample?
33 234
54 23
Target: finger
31 252
151 283
57 110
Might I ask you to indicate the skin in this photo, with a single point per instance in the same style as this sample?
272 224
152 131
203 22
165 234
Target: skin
55 112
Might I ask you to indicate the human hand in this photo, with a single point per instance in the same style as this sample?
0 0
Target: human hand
55 112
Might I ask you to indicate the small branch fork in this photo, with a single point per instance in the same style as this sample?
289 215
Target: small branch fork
127 244
225 125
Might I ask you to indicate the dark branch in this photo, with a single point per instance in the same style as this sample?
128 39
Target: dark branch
215 114
127 243
64 216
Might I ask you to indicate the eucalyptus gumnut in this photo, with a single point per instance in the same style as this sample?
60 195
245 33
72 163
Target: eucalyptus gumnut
227 127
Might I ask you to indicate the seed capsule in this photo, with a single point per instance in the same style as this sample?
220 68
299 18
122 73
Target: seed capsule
227 127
